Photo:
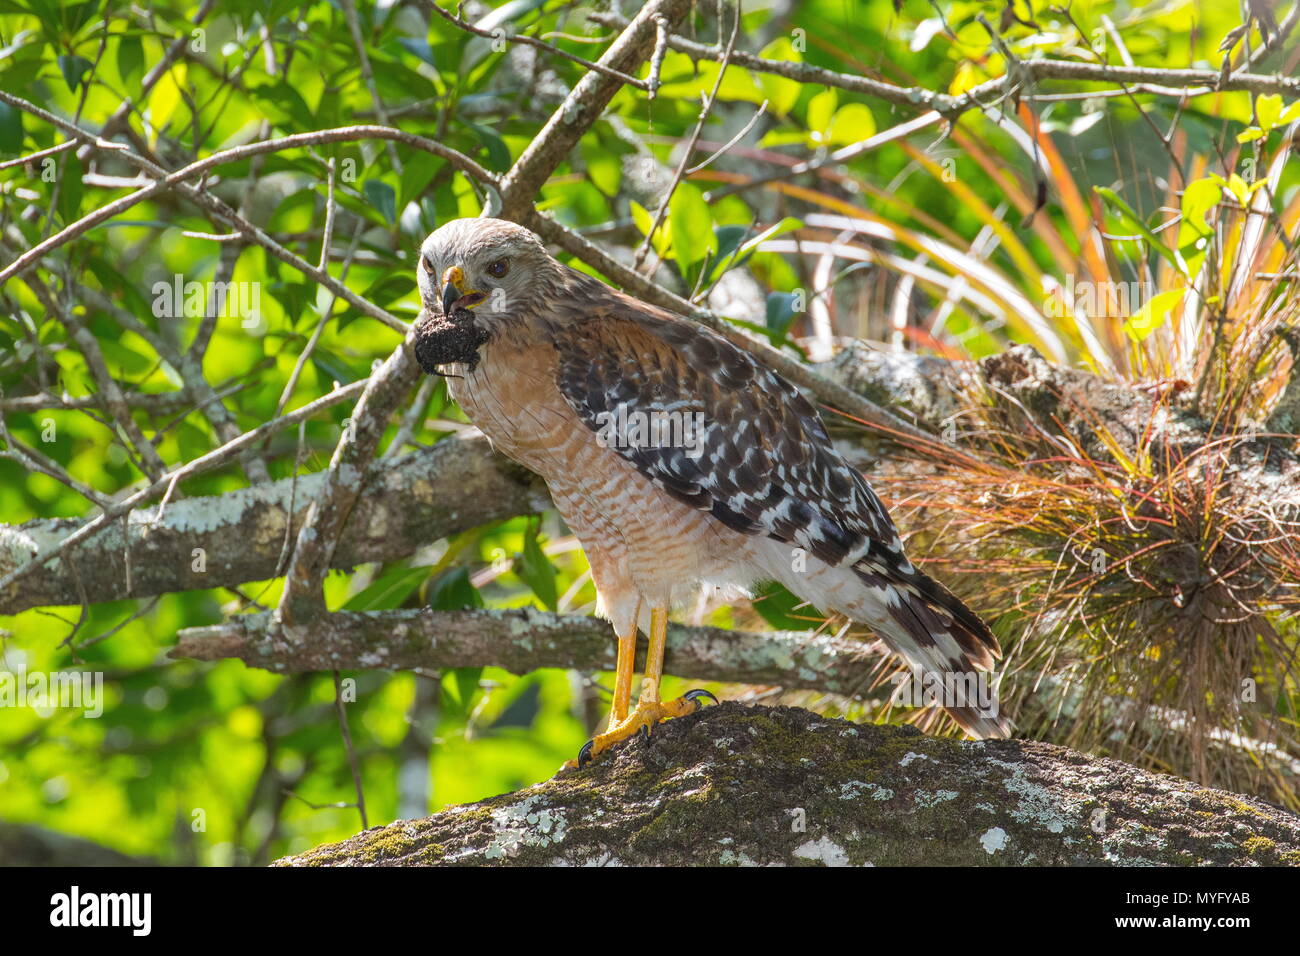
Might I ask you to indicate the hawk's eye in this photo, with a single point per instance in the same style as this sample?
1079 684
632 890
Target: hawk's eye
499 268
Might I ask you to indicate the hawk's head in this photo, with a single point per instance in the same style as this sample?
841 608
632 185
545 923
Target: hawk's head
477 276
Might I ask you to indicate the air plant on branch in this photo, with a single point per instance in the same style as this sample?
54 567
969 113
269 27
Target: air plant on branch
1141 537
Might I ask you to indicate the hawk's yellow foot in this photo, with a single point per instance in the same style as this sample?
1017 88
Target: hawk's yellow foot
646 714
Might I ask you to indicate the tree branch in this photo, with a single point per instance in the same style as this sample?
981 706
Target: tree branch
581 108
415 499
759 786
1176 81
12 552
523 639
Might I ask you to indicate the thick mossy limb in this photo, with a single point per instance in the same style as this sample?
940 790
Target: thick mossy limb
736 785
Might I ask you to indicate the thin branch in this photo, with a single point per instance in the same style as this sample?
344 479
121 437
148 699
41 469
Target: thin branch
199 167
500 34
342 712
523 640
520 187
917 97
706 109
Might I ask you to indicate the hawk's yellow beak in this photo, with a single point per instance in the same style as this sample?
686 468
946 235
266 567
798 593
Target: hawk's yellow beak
455 294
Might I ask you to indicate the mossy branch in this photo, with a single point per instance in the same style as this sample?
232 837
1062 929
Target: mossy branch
757 786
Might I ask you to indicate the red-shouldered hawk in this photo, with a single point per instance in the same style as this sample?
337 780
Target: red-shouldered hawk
677 459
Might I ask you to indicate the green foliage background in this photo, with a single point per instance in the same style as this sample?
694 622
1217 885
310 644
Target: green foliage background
258 758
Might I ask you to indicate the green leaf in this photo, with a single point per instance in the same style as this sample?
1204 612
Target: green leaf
458 693
331 367
776 605
11 129
645 222
71 188
1152 315
130 58
780 312
453 591
729 239
417 173
852 123
383 198
390 287
388 591
419 46
821 109
1130 218
498 155
690 223
737 240
74 68
1268 108
788 224
536 570
1198 199
603 169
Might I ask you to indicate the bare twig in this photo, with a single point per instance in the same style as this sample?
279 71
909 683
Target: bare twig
500 34
706 108
342 712
113 125
917 97
581 108
199 167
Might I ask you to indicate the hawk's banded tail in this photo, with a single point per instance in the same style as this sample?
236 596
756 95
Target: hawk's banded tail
948 648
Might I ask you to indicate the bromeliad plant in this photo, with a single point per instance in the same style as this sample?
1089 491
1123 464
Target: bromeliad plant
1142 530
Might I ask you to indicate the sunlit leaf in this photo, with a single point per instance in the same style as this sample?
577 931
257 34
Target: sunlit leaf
691 224
1153 314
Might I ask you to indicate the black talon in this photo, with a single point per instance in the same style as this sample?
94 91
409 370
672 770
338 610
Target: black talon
584 755
695 695
643 732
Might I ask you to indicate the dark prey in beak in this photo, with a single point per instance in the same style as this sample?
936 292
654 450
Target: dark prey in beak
441 339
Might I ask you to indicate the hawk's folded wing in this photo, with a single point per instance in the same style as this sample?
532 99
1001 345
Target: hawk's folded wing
736 439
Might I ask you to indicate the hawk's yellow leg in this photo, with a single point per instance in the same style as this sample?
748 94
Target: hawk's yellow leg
649 710
623 676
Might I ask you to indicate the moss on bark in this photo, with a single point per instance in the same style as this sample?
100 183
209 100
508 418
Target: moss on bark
741 786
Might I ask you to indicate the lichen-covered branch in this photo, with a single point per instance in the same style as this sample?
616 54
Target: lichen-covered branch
21 558
757 786
239 536
460 483
523 639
